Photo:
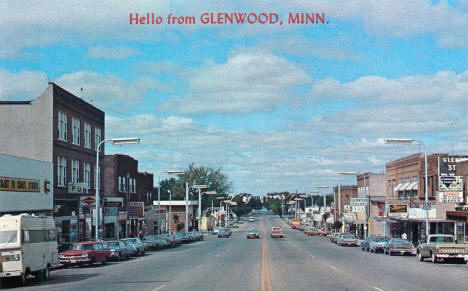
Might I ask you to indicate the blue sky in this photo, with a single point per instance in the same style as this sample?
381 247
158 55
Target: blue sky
277 107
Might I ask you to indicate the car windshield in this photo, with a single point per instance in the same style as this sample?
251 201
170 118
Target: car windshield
113 244
348 236
81 247
276 228
8 236
380 239
443 239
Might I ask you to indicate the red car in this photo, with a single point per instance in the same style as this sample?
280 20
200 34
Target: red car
276 232
81 253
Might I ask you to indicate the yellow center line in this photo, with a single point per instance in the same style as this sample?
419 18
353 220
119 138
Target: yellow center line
265 271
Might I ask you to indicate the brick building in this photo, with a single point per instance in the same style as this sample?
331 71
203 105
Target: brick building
127 195
70 129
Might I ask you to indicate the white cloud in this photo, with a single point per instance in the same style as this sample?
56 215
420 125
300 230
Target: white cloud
112 53
246 82
24 85
106 90
444 86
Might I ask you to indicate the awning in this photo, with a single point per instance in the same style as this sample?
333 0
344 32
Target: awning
412 186
404 187
397 188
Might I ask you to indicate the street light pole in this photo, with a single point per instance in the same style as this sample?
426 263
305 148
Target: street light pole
409 142
116 141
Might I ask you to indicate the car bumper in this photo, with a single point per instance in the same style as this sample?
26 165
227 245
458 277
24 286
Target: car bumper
7 274
73 261
347 243
452 256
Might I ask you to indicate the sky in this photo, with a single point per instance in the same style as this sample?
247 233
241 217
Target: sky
277 107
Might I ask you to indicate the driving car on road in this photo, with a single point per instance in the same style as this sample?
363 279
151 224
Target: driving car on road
399 246
223 233
311 231
253 234
378 244
251 219
276 232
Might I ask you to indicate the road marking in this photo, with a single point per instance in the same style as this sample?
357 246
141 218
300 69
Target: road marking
160 287
378 289
332 267
265 272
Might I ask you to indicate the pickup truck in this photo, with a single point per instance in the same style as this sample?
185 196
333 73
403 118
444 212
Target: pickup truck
442 247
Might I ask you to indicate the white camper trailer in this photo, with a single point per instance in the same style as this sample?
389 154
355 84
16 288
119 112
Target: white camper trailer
28 246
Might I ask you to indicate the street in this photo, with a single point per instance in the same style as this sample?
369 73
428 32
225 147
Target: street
296 262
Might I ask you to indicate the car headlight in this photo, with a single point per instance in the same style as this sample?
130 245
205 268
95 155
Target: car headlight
61 256
17 257
84 255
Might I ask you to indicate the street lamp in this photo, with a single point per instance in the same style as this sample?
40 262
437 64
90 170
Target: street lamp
115 141
199 187
407 141
176 172
324 203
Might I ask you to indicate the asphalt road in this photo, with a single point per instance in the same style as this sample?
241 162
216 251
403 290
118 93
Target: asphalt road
296 262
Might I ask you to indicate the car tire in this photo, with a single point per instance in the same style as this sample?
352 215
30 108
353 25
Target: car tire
47 274
433 258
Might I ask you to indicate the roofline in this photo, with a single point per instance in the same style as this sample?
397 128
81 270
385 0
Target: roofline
15 102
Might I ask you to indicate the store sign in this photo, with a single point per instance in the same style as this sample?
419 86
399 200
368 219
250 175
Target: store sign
19 185
136 210
451 183
77 188
87 201
398 209
448 164
450 197
359 208
121 216
359 201
113 201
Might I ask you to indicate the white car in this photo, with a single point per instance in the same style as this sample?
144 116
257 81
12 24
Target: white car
251 219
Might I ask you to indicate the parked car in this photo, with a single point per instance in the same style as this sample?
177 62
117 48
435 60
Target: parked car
216 230
88 252
173 241
276 232
442 247
399 246
21 252
323 232
235 226
301 227
253 234
251 219
347 240
137 246
310 231
365 243
378 244
118 250
198 235
223 233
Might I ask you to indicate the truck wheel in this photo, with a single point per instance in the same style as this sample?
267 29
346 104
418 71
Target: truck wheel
420 257
434 258
22 279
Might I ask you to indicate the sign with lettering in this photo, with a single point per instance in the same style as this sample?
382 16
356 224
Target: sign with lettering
77 188
450 197
19 185
398 209
87 201
451 183
136 210
359 201
448 164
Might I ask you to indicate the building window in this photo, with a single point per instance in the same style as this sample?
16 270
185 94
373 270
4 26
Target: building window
408 179
401 181
122 184
401 194
132 185
97 137
87 135
62 126
347 200
75 131
61 171
415 178
87 174
75 178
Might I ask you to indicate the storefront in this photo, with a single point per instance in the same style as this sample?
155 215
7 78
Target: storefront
460 218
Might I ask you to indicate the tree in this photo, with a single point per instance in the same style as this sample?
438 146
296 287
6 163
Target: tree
214 178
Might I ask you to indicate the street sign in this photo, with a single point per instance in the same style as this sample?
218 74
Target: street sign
426 205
